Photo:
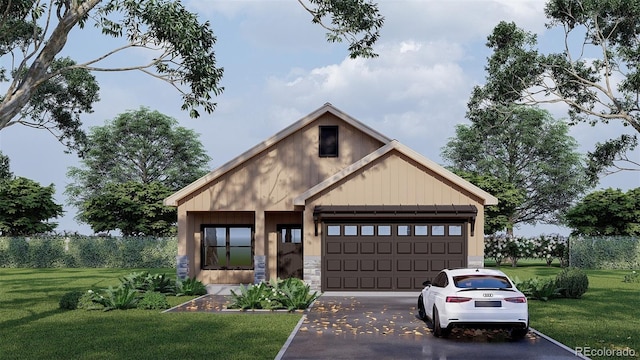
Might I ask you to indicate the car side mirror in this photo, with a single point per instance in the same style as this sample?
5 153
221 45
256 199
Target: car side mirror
427 283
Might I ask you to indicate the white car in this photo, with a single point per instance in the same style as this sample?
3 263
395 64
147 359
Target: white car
477 298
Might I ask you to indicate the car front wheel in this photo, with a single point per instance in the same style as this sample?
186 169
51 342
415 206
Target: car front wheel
422 314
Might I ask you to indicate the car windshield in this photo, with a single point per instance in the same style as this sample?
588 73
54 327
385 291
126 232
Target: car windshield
481 282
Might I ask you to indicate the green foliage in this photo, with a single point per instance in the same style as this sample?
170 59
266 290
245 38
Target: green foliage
69 301
633 277
607 252
601 41
26 207
605 213
190 287
572 282
86 251
5 171
526 150
120 298
548 247
131 165
152 300
349 19
538 288
290 294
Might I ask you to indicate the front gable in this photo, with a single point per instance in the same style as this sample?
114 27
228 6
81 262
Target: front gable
271 174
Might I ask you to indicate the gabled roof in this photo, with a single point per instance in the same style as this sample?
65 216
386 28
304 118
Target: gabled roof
397 146
216 173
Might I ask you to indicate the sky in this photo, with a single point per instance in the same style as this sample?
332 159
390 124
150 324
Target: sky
278 67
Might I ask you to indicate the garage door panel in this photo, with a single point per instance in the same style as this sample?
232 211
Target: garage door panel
421 247
367 248
455 248
404 283
438 247
384 265
368 283
333 265
351 282
421 265
351 265
350 247
334 247
367 265
384 247
333 283
385 283
403 247
403 264
438 264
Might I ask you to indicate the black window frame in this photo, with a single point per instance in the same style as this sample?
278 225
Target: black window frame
331 149
228 247
288 238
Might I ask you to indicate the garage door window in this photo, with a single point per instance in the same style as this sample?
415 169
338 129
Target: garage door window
333 230
366 230
384 230
351 230
421 230
404 230
455 230
437 230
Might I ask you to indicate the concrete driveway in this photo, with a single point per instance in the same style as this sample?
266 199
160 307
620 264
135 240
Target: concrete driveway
375 326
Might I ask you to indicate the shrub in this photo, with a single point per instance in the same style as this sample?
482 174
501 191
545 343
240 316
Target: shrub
121 298
190 287
87 302
572 282
538 289
152 300
289 294
633 277
69 301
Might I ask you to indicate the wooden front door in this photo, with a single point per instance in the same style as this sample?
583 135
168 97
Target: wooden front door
290 251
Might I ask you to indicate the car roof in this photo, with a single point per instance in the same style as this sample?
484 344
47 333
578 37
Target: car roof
474 271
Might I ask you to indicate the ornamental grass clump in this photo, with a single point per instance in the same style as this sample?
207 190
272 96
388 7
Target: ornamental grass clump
572 282
288 294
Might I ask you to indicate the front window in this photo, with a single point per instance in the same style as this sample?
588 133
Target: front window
227 247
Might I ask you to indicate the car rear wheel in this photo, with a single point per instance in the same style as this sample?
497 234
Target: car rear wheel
422 314
438 331
519 333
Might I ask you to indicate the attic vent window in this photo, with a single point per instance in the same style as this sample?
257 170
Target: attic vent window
328 141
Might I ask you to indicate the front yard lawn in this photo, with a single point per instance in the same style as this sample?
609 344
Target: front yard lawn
606 317
33 327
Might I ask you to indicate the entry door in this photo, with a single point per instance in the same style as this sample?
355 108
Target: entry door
290 251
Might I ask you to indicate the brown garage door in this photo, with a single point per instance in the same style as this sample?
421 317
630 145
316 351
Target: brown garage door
389 256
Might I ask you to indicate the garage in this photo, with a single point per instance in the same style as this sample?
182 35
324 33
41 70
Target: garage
391 248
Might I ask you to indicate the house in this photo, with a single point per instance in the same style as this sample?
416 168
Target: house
335 203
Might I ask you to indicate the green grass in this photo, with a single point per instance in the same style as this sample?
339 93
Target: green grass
606 317
33 327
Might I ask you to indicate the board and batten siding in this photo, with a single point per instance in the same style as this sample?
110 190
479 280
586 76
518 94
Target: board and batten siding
394 180
271 179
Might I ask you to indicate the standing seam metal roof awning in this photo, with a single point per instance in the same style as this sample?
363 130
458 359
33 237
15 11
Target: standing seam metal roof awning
395 212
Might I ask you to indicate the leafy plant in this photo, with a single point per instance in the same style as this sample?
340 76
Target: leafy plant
87 302
69 301
250 297
289 294
538 288
121 298
572 282
152 300
190 287
144 282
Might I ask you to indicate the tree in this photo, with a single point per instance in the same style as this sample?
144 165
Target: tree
26 207
49 92
606 212
134 208
5 171
143 147
496 217
596 74
526 147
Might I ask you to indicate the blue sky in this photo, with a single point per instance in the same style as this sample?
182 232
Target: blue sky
279 67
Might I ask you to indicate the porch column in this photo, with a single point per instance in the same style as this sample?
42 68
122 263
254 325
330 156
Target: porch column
260 249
